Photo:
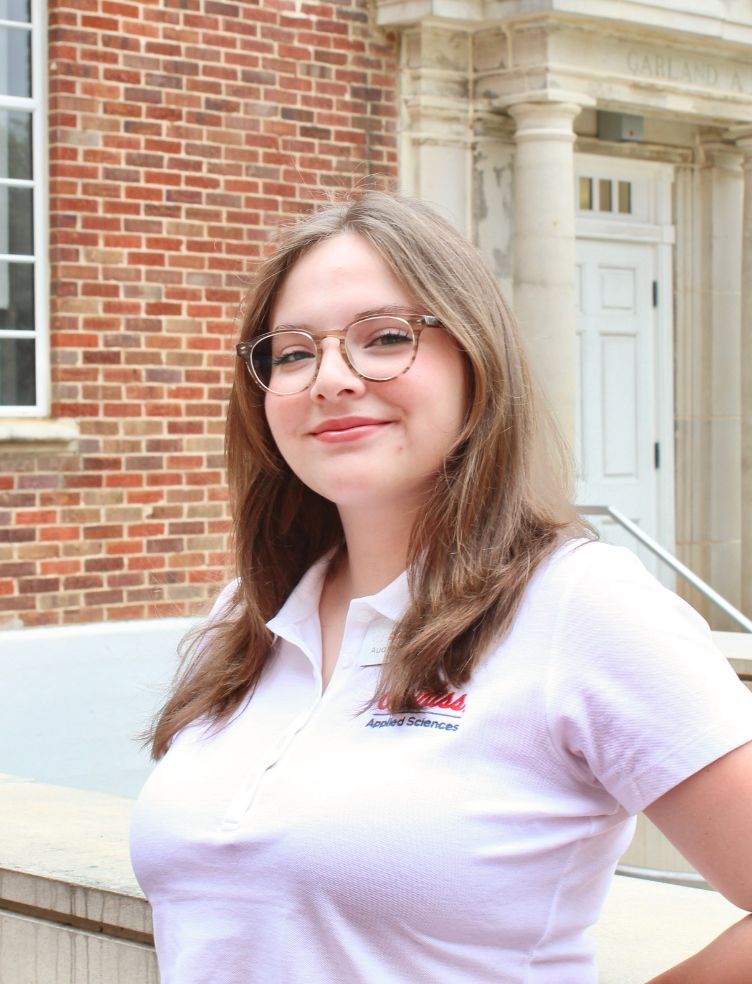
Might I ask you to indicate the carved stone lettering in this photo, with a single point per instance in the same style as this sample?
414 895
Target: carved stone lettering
673 68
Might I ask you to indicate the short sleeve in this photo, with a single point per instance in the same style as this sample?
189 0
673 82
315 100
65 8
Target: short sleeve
639 697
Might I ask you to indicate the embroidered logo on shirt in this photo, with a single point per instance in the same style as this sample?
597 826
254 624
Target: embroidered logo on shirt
442 712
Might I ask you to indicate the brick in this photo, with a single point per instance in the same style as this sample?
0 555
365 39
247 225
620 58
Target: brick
99 598
124 612
10 569
69 566
35 517
41 618
127 580
104 564
21 500
38 585
103 532
17 535
82 582
146 563
13 604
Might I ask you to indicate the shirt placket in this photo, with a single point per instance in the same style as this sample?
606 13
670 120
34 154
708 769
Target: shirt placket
355 630
242 801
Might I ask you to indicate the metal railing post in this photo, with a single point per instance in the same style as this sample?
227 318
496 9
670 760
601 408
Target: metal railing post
668 558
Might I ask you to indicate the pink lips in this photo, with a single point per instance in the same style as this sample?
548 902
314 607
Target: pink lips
342 429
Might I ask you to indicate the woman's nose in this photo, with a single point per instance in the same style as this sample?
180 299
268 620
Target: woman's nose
335 377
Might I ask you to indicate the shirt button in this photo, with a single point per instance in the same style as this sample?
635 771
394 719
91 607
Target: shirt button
345 659
363 616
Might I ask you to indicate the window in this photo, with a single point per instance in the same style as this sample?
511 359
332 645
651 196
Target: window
613 196
23 335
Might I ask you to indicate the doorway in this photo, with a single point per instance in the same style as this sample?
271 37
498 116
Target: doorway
624 437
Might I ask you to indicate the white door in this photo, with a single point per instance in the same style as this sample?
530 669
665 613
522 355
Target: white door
618 453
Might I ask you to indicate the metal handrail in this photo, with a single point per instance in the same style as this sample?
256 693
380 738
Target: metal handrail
668 558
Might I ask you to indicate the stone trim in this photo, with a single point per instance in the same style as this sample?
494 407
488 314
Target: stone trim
35 431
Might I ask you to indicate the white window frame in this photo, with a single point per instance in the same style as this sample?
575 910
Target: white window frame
37 104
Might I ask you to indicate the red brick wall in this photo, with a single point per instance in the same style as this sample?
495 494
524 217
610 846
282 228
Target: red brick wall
180 133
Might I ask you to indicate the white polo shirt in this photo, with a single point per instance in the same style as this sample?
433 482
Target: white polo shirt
309 842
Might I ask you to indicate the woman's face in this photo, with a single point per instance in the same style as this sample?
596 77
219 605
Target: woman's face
362 444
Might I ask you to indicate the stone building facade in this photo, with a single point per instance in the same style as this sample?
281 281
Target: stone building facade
599 153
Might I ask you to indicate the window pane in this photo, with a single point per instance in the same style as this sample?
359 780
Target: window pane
16 221
15 10
16 296
15 145
586 194
15 62
625 197
17 372
604 195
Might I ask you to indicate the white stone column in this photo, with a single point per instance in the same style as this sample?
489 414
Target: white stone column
544 297
744 143
716 417
436 138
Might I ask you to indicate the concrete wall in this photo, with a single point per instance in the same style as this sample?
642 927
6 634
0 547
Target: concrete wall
70 909
74 698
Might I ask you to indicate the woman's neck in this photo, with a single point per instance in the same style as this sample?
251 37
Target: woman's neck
376 550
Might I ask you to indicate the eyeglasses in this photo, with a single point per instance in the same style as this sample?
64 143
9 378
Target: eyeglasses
376 348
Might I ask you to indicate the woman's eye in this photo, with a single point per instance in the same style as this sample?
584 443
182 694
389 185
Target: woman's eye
290 357
393 336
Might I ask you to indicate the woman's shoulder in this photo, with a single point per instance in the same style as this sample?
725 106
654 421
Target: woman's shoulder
593 563
595 581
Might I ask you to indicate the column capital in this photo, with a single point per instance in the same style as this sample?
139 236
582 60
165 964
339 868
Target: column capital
547 114
722 155
547 97
537 121
742 137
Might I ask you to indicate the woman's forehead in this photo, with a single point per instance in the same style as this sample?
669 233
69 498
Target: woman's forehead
341 277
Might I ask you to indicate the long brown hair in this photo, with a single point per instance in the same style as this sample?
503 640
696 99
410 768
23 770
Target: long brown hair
499 505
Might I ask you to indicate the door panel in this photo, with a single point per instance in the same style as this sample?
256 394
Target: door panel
620 407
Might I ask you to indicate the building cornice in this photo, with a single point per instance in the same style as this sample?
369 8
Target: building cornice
721 22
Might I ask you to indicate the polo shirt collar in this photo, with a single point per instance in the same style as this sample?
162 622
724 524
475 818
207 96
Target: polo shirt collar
303 602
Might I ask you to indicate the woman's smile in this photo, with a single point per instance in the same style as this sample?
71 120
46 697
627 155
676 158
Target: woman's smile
339 430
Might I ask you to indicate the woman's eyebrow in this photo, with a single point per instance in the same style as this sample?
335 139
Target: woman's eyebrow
385 309
396 309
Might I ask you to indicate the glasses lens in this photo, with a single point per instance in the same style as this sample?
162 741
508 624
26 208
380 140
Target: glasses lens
380 348
285 361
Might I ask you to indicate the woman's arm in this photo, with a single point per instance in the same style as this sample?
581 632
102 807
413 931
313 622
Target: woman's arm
708 817
727 960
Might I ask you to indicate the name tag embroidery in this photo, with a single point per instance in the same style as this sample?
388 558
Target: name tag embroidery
440 712
375 642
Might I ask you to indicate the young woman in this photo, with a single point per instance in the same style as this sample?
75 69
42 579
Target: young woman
417 726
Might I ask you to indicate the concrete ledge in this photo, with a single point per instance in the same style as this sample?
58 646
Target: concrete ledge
69 836
647 927
71 911
35 430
